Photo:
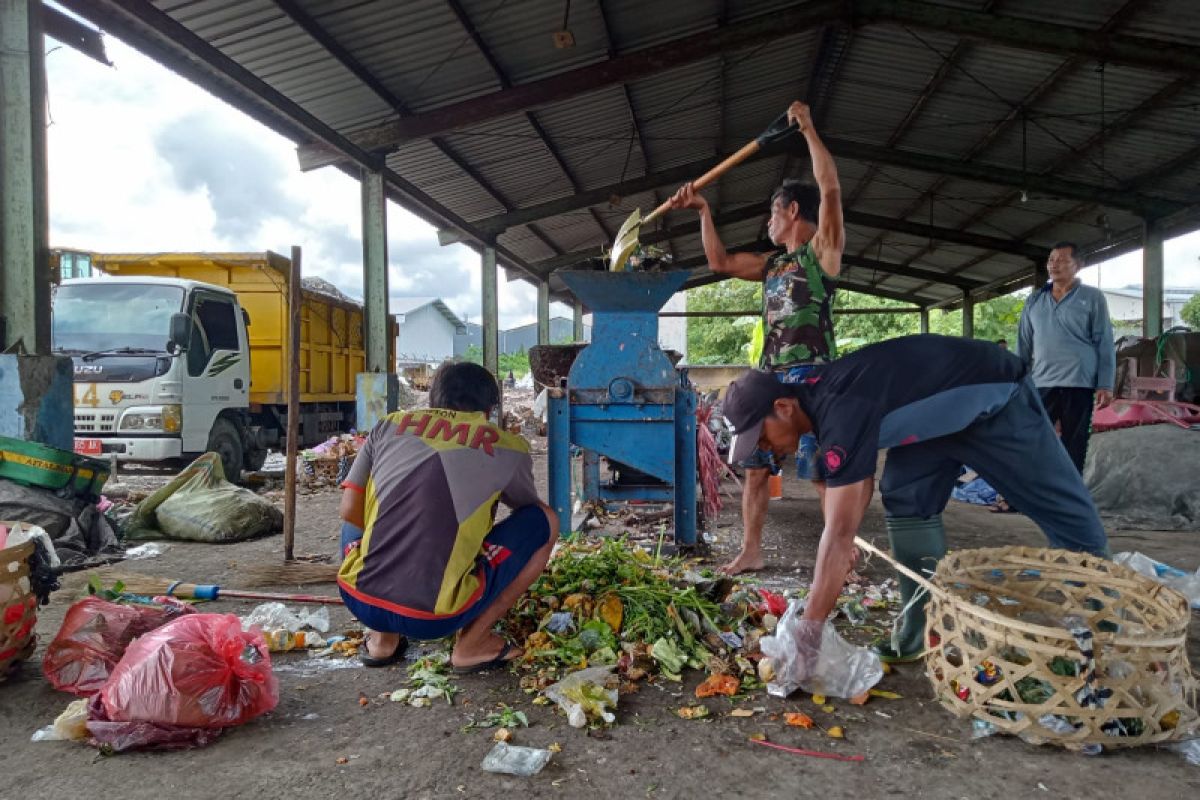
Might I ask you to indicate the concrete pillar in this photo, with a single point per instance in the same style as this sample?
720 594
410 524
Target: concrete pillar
578 321
924 319
375 273
491 314
543 313
1152 279
968 319
24 219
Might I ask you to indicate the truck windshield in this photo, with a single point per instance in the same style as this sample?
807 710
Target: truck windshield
90 317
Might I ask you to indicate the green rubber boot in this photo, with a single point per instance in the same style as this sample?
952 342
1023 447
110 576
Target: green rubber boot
917 544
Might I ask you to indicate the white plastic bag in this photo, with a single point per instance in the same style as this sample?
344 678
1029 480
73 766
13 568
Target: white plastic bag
836 669
1186 584
69 726
277 616
587 694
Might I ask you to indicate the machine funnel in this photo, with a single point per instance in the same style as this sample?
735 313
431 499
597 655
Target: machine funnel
604 291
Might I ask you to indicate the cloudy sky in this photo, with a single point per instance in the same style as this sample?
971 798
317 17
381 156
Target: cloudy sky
143 160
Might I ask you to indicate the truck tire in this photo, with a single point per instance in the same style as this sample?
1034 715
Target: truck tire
226 442
255 460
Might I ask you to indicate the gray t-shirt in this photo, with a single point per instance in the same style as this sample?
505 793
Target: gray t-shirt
1068 342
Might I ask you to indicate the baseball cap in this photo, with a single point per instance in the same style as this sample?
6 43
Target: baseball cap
748 401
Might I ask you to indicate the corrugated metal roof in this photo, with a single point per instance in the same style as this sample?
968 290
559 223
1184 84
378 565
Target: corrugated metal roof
998 106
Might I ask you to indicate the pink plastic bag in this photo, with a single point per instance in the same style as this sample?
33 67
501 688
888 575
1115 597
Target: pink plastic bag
199 671
93 637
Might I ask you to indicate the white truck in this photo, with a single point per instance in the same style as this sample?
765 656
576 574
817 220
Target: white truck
177 354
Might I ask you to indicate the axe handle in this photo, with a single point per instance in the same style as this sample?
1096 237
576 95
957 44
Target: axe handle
708 177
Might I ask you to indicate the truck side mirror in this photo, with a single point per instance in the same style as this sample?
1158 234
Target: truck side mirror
181 332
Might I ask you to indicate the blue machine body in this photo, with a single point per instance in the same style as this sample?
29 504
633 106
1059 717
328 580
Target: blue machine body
625 401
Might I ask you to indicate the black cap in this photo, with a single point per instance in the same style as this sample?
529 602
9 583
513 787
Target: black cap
748 401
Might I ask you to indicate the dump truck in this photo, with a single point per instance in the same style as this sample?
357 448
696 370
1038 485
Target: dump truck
177 354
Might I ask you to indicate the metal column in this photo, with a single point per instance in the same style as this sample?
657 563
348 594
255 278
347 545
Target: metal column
558 472
578 321
543 313
375 277
968 312
491 314
924 319
24 226
1152 279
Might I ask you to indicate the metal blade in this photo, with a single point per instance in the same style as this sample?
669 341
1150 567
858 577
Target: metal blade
626 241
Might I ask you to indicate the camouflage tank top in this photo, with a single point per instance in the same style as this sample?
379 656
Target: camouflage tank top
797 311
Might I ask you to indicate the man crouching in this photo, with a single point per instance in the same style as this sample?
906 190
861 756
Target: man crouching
422 555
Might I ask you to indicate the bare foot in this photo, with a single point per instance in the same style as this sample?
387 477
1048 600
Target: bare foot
380 644
469 654
745 562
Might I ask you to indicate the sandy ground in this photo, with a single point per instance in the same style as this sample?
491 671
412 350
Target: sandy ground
394 751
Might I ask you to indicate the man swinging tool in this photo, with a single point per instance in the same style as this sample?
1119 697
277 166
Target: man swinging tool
798 287
935 403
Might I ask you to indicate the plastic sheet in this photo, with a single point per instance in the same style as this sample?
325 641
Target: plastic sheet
509 759
69 726
199 671
1188 584
93 637
813 656
277 616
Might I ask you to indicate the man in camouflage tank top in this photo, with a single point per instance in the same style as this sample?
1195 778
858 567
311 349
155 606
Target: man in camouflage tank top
798 286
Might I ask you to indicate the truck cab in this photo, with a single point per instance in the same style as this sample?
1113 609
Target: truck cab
162 369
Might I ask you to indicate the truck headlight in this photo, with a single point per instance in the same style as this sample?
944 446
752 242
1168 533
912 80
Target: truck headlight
166 419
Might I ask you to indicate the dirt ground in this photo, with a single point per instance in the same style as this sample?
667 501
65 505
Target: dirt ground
391 750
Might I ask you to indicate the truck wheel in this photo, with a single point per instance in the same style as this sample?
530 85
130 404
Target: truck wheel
227 444
255 460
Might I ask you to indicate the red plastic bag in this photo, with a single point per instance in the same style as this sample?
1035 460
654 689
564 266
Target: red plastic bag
93 637
199 671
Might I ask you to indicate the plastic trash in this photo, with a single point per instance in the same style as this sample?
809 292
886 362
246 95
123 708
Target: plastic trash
281 640
277 616
147 550
510 759
1190 750
560 622
589 695
22 532
541 405
69 726
1187 584
981 729
199 671
93 637
834 667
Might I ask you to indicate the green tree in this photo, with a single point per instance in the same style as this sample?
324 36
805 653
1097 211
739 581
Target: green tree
857 330
994 319
1191 311
722 340
517 363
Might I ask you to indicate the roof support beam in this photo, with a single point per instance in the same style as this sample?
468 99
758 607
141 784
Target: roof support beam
702 277
1025 34
620 69
70 32
753 211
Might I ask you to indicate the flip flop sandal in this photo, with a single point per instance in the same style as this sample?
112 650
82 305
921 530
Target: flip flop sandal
497 662
396 657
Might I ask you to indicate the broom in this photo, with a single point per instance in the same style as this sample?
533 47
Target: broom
289 573
150 585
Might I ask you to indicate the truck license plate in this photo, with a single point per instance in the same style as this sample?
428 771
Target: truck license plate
88 447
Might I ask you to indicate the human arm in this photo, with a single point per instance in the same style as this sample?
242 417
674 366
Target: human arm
747 266
1106 353
1025 334
352 506
830 239
844 507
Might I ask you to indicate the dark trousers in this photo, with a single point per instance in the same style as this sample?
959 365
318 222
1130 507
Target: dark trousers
1071 409
1016 451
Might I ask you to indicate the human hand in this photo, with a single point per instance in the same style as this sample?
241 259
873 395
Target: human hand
1104 398
807 636
800 115
688 197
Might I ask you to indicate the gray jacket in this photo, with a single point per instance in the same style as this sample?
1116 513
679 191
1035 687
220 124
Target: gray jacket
1068 343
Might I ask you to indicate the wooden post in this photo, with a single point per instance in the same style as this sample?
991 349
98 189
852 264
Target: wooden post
293 408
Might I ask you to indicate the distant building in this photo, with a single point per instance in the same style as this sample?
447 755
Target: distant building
1125 307
427 330
522 337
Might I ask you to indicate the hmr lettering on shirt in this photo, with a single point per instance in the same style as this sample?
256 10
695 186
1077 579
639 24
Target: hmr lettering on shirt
419 426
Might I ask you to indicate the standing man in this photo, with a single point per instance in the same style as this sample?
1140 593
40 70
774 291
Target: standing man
798 287
934 403
1066 342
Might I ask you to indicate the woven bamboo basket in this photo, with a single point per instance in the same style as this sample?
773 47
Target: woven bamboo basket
18 607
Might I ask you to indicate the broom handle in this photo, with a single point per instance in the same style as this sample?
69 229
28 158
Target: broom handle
203 591
708 177
863 544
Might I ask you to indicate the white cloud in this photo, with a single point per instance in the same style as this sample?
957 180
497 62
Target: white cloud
142 160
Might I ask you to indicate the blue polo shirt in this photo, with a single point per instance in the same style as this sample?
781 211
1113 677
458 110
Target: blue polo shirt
1068 343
